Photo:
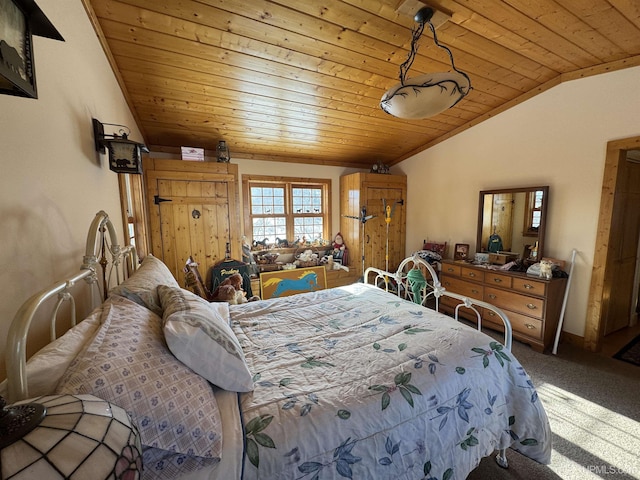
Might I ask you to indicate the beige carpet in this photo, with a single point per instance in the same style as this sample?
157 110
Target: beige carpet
593 404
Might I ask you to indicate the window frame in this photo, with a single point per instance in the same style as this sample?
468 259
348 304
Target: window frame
288 183
528 229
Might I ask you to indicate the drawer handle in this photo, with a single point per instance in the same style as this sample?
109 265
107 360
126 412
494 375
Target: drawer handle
528 286
450 269
447 283
530 326
531 306
492 296
497 280
475 291
471 274
492 314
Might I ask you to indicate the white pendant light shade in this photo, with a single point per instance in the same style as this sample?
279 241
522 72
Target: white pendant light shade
425 95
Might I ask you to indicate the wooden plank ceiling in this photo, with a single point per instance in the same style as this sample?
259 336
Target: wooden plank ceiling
301 80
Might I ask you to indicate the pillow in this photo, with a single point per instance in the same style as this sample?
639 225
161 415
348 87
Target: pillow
141 287
129 365
198 334
47 365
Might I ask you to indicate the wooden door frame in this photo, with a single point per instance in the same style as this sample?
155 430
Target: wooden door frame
601 272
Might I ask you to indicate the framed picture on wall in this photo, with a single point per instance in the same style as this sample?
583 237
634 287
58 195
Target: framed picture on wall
19 20
17 74
461 252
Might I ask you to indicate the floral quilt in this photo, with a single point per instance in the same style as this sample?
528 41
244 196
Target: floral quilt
356 383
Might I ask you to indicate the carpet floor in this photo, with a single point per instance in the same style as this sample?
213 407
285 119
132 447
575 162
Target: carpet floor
593 405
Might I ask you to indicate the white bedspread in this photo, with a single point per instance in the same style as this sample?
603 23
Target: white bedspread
355 383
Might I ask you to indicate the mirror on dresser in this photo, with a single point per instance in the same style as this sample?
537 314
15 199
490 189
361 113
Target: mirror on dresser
513 220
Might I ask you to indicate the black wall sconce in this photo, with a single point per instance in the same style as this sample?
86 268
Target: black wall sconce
125 156
222 152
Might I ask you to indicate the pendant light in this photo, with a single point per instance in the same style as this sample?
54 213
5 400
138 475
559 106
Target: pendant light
426 95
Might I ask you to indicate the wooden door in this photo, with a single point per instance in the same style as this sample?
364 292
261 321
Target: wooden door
368 190
193 214
376 231
625 234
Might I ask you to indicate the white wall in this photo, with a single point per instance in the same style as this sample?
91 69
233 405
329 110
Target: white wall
559 139
52 182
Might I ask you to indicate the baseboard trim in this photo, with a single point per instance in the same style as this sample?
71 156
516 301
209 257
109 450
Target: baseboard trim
571 339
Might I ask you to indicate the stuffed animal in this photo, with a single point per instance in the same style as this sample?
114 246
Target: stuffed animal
230 291
546 269
226 293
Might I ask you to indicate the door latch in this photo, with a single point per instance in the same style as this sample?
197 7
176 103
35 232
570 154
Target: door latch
157 199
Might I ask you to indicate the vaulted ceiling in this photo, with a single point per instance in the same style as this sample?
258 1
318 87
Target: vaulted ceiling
301 80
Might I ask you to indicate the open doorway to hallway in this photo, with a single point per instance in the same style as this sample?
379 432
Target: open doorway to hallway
612 319
622 325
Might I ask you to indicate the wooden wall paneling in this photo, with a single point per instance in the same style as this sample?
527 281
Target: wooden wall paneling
369 190
350 228
281 78
210 229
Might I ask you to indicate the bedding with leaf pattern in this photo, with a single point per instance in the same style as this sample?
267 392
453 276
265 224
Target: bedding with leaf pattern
355 383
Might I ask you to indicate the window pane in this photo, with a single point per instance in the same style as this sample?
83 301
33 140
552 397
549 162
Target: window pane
269 228
535 221
309 227
537 202
307 200
267 201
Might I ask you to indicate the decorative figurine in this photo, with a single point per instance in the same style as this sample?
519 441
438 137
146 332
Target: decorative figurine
339 250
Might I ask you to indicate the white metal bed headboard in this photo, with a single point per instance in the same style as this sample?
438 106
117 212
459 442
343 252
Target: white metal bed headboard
400 282
102 249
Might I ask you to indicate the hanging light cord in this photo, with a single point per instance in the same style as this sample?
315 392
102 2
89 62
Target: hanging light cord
416 34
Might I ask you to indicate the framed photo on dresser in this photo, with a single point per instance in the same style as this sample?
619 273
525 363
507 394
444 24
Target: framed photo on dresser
461 252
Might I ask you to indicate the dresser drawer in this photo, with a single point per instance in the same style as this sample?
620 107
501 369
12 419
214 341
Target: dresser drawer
462 287
472 274
519 323
515 302
533 287
448 305
451 269
497 279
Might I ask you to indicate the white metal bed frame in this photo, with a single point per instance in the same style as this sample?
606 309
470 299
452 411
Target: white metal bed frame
401 284
123 261
102 249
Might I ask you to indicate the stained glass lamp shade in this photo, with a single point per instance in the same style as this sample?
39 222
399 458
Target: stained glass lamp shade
81 437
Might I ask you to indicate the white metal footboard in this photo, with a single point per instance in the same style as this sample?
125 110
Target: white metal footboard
116 265
420 289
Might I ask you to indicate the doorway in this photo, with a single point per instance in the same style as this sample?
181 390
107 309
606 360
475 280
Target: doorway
618 227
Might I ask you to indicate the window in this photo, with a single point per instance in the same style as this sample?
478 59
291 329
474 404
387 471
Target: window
533 213
282 208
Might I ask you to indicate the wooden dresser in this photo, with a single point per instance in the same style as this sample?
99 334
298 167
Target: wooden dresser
532 304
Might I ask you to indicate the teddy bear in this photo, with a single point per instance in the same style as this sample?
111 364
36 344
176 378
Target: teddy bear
230 291
227 293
